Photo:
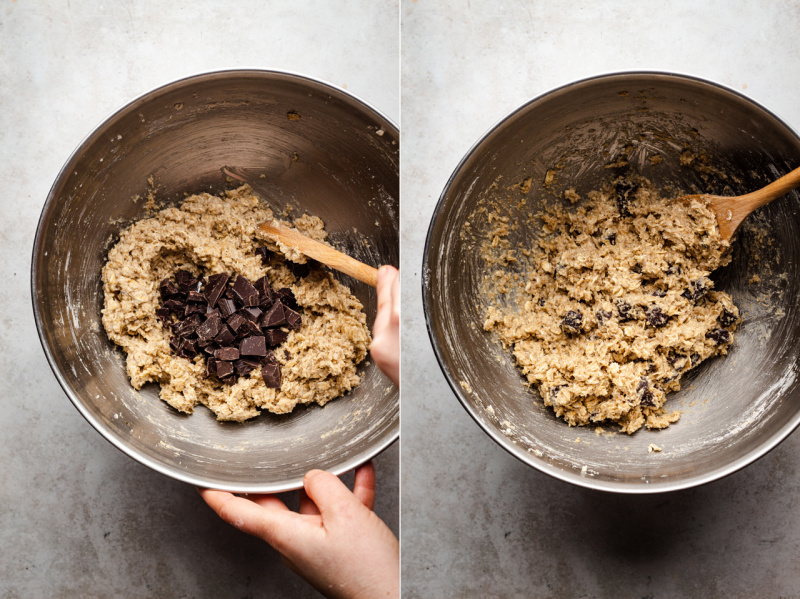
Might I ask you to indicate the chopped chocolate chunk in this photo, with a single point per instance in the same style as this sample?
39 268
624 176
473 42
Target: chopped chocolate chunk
265 254
188 326
229 380
184 279
719 336
572 322
168 289
215 287
612 238
236 322
253 346
637 268
188 349
727 318
299 270
195 296
211 367
286 296
694 359
253 314
210 328
209 349
163 315
175 306
542 302
228 354
271 373
274 317
286 355
644 393
225 336
293 319
265 293
655 316
226 306
625 311
659 293
696 290
245 292
250 328
603 316
223 369
625 191
275 336
245 366
174 343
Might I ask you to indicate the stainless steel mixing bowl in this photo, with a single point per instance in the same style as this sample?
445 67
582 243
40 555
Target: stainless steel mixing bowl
336 157
735 409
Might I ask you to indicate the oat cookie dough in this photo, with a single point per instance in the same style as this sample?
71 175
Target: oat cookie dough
207 235
618 305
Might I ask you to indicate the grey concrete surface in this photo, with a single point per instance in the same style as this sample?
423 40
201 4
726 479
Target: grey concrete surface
475 521
77 517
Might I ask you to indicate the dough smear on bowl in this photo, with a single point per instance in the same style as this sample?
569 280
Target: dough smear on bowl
618 305
207 235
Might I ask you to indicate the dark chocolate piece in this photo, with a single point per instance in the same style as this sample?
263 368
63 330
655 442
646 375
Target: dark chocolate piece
274 317
163 315
696 290
184 279
655 317
572 322
245 366
250 328
265 294
245 292
168 289
215 287
210 328
286 296
252 314
271 373
275 337
603 316
226 307
211 367
719 336
223 369
253 346
175 306
228 354
299 270
229 380
225 336
293 319
235 322
727 318
625 311
264 253
195 296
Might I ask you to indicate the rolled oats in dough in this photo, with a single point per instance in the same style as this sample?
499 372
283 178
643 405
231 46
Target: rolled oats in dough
618 305
205 235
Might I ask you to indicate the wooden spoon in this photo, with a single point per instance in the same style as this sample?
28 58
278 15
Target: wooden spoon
731 211
320 252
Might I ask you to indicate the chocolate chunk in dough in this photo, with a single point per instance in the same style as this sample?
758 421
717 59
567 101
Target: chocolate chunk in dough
265 255
168 289
223 369
245 366
215 288
236 322
253 346
274 317
245 292
226 306
728 318
655 317
293 319
225 336
719 336
287 298
624 197
210 328
271 373
275 337
228 354
572 321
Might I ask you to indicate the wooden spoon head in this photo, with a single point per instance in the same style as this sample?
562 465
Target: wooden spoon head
724 208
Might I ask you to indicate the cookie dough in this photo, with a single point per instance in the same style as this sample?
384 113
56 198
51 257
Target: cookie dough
618 305
205 235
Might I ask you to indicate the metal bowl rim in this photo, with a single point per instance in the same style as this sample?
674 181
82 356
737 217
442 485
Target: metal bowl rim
288 485
502 440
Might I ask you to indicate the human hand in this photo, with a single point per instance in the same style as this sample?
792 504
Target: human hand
385 348
335 541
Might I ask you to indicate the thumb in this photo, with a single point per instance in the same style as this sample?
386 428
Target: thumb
329 493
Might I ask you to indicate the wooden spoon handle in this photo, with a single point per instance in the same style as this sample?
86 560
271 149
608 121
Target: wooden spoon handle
321 252
774 190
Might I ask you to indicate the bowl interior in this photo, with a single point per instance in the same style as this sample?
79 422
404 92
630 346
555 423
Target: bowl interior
734 408
335 158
